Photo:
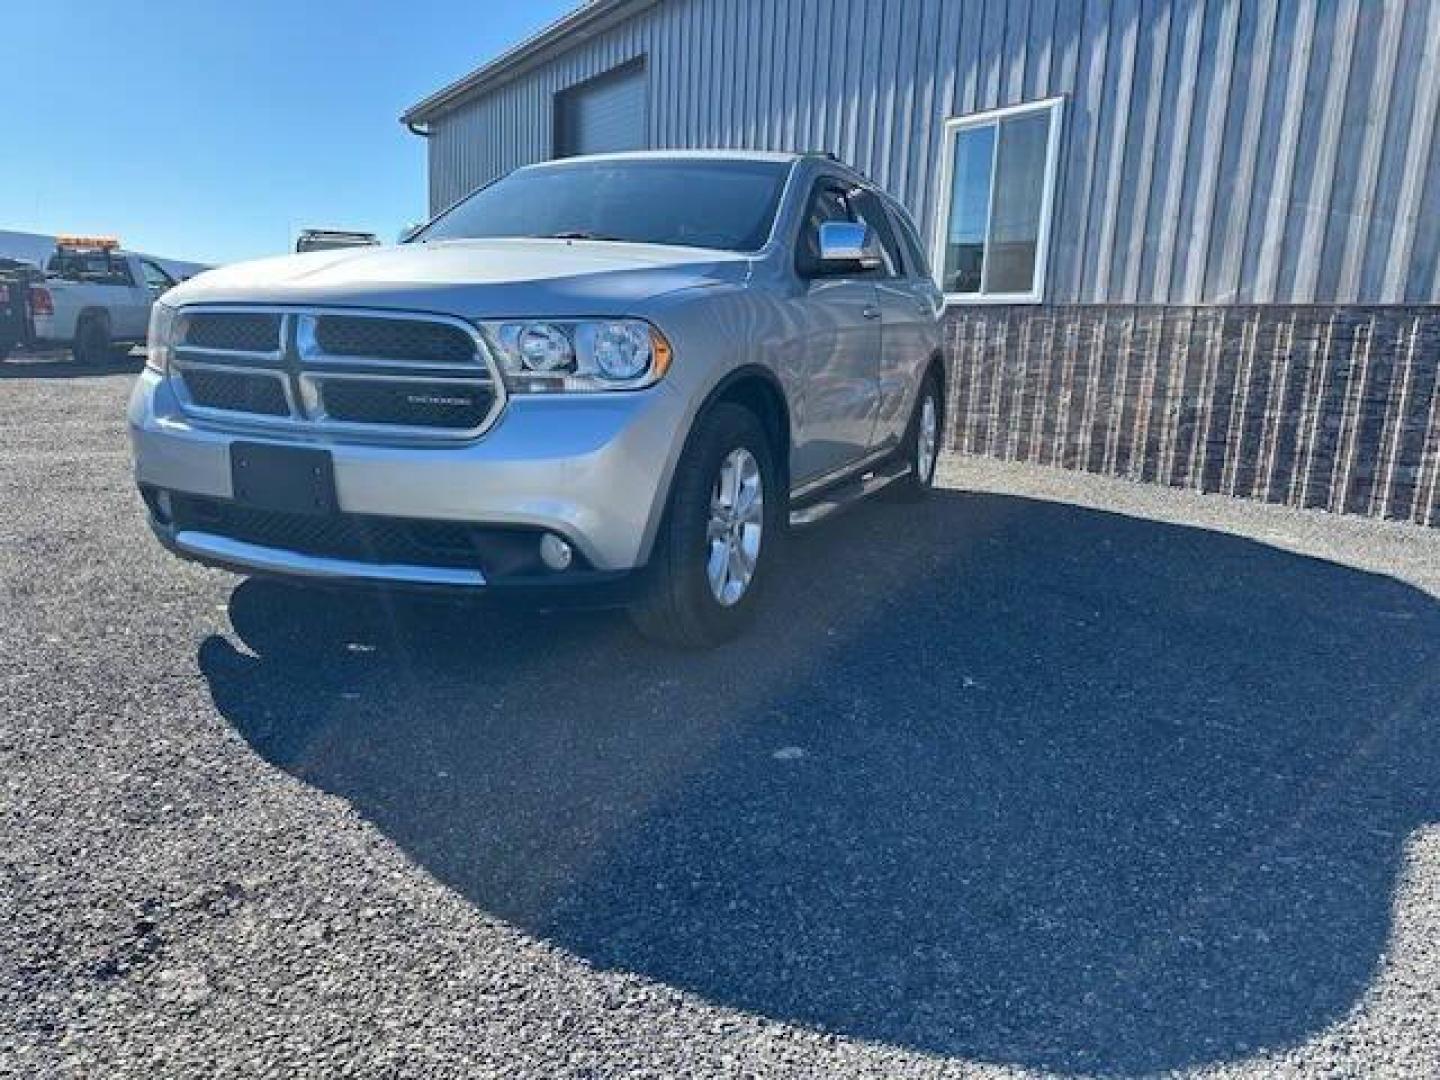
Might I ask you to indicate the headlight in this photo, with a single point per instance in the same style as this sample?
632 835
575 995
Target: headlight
550 356
160 341
543 348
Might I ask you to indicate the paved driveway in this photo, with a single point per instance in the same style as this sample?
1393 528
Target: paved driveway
1051 774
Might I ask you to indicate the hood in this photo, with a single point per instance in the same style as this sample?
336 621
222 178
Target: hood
472 278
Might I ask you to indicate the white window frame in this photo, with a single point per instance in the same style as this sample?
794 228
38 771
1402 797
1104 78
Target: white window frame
992 117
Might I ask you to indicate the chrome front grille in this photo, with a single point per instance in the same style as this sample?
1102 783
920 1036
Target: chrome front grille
238 391
409 340
242 331
342 371
460 406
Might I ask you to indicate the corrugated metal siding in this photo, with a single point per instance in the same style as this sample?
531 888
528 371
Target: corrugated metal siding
1216 151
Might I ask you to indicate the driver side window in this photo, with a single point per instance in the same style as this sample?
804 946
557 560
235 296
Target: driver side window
827 203
831 200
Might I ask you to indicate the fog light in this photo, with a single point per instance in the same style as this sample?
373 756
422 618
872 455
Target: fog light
555 553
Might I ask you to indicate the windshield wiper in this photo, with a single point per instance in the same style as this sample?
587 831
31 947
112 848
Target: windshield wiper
583 234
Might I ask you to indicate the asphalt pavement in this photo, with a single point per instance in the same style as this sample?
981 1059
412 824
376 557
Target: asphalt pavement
1052 774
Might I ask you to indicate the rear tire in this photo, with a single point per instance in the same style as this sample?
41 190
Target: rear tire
719 535
92 340
921 446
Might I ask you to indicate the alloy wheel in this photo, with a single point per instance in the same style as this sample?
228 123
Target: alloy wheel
927 438
736 527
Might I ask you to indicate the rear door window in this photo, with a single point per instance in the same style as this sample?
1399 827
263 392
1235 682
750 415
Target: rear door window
919 266
872 212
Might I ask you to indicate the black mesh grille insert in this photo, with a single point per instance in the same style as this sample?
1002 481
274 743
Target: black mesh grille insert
394 339
457 406
239 330
236 391
366 538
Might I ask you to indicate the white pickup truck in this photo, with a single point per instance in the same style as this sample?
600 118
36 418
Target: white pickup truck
95 298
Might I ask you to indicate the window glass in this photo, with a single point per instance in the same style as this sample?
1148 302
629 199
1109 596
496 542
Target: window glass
871 211
1019 193
155 277
994 216
827 203
727 205
918 264
969 209
91 267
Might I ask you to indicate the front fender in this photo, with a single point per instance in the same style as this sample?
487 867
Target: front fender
715 331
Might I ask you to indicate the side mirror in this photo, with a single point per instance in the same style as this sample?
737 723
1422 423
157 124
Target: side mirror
846 245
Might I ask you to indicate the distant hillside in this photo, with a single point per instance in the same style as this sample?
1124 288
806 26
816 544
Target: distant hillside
37 247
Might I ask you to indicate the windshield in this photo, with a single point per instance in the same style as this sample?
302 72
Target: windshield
727 205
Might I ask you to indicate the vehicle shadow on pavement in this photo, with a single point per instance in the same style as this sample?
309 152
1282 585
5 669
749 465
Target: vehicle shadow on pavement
65 366
994 778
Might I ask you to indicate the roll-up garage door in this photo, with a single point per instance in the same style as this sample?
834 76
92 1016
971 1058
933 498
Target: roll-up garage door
604 114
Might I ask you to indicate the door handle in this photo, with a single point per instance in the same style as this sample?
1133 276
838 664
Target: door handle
870 311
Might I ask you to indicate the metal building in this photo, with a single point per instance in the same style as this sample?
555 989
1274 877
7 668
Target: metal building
1189 241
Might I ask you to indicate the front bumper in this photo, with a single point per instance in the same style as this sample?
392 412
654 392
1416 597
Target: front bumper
592 468
243 556
576 589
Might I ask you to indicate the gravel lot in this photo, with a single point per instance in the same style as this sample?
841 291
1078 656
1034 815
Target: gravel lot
1055 774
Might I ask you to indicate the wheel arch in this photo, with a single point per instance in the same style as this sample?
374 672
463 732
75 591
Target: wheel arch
758 389
936 365
753 386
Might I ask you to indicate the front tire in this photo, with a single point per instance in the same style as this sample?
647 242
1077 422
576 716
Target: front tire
719 535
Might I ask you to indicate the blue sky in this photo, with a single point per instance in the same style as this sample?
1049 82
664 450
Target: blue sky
214 130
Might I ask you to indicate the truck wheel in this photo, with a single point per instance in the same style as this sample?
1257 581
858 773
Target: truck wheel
920 448
719 535
92 339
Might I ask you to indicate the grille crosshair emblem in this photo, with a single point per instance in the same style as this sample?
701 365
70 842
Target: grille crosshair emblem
302 392
301 364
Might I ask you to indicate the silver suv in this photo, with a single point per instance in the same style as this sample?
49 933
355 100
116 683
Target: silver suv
619 377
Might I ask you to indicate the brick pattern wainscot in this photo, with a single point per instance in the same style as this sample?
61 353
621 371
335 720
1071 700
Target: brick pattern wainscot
1314 406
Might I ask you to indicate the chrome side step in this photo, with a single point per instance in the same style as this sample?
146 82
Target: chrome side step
842 496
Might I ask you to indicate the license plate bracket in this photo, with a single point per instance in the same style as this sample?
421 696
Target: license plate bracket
289 479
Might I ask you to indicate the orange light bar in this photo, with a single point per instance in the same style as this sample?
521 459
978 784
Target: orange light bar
98 243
